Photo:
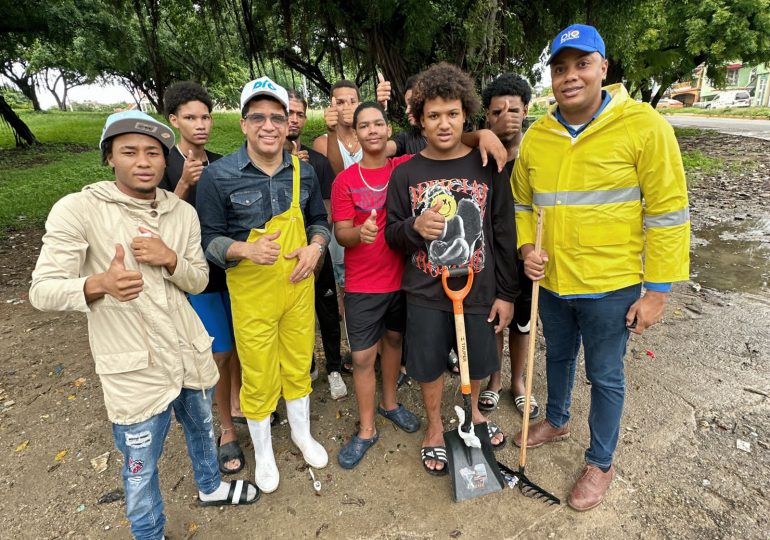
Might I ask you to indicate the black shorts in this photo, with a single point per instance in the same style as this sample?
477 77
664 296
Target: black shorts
523 304
430 334
368 315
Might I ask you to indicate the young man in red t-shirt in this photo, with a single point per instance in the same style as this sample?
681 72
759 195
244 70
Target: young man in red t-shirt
374 304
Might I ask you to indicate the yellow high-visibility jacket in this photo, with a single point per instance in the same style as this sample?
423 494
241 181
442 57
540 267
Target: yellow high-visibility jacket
615 199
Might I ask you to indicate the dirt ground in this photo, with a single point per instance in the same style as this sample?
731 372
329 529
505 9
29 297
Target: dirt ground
698 386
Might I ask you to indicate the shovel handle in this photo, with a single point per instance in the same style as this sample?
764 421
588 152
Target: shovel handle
457 297
531 349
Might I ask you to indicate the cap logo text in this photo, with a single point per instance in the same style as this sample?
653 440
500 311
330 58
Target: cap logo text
148 128
264 84
572 34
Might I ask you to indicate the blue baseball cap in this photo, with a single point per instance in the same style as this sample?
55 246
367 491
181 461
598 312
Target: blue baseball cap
137 122
577 36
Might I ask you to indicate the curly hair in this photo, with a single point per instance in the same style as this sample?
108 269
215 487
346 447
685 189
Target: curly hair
446 81
507 84
183 92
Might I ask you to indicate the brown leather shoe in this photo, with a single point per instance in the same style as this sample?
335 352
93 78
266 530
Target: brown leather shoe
588 492
541 433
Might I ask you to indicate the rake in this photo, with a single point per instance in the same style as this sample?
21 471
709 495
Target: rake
528 487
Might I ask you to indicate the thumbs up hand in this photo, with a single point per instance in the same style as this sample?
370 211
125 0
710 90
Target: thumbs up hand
430 224
369 229
192 170
383 91
331 116
123 285
265 250
301 154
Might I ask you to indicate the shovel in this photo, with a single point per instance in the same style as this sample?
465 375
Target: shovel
472 464
528 487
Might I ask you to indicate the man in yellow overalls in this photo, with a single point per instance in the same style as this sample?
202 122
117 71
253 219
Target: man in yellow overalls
263 219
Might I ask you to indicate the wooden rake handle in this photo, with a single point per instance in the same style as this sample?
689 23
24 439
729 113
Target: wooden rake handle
531 349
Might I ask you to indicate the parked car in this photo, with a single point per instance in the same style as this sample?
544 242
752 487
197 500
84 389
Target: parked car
731 98
666 103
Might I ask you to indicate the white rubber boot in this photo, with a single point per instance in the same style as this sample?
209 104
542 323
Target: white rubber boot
298 411
265 470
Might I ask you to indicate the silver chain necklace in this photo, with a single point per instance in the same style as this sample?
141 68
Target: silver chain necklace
378 190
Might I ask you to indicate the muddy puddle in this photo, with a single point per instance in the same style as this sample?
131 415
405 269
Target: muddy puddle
733 256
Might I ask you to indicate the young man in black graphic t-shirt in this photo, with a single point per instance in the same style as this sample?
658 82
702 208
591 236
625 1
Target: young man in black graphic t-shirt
444 209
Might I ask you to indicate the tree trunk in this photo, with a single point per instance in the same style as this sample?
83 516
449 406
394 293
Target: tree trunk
21 131
27 87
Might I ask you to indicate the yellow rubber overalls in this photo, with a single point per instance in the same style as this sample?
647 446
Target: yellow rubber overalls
274 319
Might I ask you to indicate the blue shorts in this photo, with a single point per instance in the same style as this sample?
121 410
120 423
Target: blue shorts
214 311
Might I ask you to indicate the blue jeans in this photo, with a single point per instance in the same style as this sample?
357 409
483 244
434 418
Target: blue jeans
601 323
142 445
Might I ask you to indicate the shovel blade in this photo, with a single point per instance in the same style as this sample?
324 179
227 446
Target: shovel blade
474 471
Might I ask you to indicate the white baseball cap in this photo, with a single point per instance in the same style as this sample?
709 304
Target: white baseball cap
137 122
264 86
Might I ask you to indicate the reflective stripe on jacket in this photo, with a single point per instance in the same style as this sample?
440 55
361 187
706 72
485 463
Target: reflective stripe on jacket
147 349
613 195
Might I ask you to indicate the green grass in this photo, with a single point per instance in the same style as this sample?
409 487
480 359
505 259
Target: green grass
687 132
33 179
739 112
697 161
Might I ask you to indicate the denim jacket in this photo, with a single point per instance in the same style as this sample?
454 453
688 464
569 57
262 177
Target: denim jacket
234 196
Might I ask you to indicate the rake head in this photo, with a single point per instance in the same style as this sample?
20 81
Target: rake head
527 487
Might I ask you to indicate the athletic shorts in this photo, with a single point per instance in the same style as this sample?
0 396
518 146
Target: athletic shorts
430 334
368 315
214 310
523 304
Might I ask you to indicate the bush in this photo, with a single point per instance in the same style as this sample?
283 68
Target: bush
15 99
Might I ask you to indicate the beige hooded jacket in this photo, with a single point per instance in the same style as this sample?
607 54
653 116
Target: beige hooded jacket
147 349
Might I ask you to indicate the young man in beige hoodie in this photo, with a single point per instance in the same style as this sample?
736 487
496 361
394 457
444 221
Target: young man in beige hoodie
125 253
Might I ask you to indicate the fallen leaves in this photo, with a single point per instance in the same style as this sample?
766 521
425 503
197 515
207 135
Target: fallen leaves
99 463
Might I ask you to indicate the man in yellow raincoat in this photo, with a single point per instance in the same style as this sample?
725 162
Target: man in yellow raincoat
608 173
263 219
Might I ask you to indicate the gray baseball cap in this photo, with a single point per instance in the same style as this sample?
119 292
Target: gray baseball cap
137 122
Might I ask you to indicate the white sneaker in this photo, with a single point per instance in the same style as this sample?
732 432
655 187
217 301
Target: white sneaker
314 373
337 385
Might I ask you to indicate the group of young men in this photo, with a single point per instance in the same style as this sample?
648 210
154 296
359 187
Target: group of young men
218 300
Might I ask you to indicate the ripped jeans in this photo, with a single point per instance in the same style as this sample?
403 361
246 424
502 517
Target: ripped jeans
142 445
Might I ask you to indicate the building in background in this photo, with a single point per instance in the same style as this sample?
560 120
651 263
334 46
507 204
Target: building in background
739 77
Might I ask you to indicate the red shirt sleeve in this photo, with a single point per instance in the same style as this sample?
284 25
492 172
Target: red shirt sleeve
396 161
342 201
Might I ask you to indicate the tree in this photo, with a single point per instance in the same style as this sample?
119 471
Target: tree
21 24
63 67
21 73
329 40
652 44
